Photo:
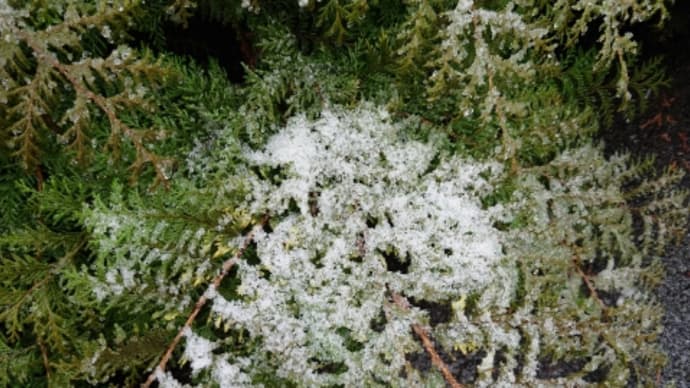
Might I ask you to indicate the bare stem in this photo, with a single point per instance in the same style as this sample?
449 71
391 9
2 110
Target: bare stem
588 282
44 354
428 345
227 265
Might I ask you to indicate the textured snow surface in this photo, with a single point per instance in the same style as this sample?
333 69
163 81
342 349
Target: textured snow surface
359 212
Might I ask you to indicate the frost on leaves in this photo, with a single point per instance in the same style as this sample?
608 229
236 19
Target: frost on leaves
361 213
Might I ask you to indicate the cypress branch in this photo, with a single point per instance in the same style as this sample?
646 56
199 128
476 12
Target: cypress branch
227 265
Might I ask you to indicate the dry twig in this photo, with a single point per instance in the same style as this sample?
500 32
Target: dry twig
227 265
46 362
592 290
428 345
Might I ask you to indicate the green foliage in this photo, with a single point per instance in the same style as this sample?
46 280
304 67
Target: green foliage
64 76
587 251
128 350
578 83
125 182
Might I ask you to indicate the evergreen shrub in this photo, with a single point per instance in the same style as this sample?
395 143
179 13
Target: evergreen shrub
397 194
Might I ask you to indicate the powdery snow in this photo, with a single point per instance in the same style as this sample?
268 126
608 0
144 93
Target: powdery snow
365 198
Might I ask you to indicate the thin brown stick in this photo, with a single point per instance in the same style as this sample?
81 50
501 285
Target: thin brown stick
227 265
46 363
428 345
39 178
588 283
435 358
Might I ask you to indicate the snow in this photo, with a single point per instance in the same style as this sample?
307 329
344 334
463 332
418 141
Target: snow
327 269
198 350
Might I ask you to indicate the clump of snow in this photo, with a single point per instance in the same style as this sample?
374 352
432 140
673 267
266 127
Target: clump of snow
198 350
360 212
166 380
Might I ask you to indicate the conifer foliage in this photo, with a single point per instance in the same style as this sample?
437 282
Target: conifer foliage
399 193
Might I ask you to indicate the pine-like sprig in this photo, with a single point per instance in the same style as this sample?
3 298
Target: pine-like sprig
98 276
66 77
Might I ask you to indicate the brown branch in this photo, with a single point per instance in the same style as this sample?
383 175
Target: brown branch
428 345
39 178
588 282
435 358
116 125
227 265
44 354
